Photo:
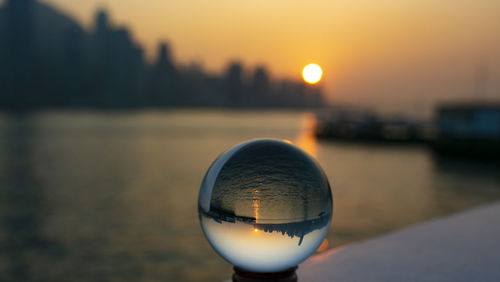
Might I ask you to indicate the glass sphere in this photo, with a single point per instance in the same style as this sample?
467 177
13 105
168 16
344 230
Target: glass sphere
265 205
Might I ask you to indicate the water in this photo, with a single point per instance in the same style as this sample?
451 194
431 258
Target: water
113 196
265 205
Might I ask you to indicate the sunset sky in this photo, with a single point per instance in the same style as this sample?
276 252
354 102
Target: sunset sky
393 54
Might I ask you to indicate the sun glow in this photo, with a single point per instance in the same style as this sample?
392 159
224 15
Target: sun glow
312 73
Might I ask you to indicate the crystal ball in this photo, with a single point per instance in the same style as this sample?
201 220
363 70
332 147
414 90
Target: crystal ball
265 205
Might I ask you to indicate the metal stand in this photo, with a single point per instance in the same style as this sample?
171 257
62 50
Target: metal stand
241 275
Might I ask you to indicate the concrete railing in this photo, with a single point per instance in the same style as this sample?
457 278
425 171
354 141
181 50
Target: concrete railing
460 247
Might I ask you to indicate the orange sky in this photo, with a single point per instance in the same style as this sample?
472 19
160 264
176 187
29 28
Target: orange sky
398 54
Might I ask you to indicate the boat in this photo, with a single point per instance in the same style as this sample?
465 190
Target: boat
367 126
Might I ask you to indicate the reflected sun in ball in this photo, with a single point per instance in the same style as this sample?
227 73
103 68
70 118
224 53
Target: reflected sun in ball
312 73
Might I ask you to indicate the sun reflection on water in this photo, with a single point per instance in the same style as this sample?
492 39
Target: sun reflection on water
255 206
306 140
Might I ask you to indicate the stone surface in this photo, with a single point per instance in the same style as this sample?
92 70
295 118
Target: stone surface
461 247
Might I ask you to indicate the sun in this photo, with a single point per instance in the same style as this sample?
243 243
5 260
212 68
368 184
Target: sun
312 73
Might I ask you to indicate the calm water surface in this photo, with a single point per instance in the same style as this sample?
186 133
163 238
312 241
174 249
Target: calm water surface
113 196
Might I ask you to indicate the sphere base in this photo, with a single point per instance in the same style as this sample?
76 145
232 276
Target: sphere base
241 275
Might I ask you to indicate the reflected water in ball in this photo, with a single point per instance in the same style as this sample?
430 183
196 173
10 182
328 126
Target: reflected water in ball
265 205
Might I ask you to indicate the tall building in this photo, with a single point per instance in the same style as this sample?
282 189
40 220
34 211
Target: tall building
38 45
165 80
116 66
260 88
234 84
18 54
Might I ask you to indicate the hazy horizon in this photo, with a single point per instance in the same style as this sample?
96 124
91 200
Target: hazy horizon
388 54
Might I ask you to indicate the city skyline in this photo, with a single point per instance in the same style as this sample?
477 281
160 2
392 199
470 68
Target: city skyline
49 61
413 53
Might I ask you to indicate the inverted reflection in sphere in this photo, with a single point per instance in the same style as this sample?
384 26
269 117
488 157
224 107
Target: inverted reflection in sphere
265 205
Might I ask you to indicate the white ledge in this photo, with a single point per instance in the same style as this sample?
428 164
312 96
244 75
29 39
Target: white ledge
461 247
